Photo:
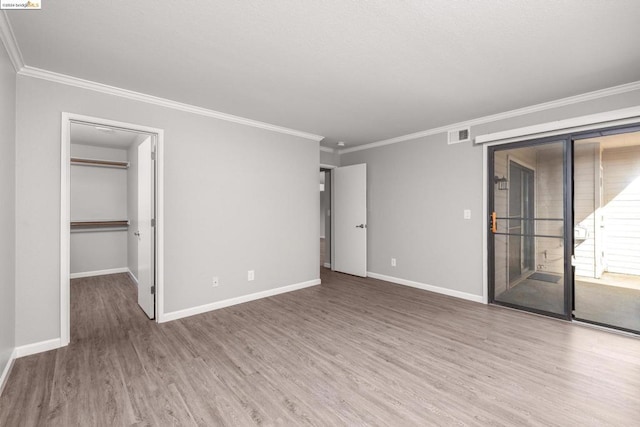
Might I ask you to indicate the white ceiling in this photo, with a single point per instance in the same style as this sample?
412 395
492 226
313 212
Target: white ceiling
353 71
99 136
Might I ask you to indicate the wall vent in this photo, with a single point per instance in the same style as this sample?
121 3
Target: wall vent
459 135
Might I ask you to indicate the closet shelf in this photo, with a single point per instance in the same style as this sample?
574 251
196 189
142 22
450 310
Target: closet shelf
101 163
99 224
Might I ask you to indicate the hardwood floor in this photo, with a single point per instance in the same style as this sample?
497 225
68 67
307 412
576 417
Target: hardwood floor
348 352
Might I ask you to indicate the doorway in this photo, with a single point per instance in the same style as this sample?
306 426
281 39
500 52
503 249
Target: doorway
111 208
325 217
564 220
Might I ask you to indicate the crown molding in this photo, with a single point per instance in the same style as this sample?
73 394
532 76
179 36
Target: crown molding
602 93
9 42
327 149
163 102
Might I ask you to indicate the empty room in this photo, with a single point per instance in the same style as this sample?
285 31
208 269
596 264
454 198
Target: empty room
320 213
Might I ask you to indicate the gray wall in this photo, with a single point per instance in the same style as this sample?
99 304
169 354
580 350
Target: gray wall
331 159
98 193
7 207
417 191
236 198
80 149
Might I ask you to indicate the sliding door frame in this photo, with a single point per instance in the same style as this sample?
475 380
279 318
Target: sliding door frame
567 209
605 131
568 139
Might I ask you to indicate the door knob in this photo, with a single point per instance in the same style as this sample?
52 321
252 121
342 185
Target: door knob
361 226
137 233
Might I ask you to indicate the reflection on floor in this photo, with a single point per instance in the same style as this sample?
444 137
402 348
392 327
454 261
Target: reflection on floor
596 300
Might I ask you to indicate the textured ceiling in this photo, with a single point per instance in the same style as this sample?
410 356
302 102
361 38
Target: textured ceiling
353 71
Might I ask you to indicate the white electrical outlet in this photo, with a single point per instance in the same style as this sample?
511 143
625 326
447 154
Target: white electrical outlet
215 282
393 262
467 214
251 275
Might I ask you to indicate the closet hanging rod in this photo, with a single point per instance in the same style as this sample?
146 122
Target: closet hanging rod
103 163
99 224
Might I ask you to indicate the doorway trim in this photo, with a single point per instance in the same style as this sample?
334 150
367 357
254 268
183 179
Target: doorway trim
65 212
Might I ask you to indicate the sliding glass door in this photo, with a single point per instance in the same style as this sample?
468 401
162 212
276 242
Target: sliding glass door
606 225
528 265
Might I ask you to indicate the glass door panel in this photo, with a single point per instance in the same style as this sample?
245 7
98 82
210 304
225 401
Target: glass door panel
606 227
527 205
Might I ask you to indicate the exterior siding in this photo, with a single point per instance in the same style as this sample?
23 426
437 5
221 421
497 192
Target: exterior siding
622 209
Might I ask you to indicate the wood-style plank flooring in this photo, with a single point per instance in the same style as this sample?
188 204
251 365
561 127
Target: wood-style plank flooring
348 352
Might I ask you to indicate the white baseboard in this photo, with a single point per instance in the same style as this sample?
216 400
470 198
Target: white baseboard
174 315
7 370
327 264
133 276
99 272
423 286
38 347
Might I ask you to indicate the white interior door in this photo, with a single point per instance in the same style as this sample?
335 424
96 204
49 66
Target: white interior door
146 276
349 211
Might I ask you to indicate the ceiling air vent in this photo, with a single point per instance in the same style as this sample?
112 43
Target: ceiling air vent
459 135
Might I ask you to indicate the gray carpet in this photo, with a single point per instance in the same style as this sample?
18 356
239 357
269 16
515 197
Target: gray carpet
610 305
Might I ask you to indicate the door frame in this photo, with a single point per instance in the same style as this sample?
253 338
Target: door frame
65 212
534 202
604 131
328 169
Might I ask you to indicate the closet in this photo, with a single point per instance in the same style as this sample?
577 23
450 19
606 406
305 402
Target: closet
103 200
99 217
